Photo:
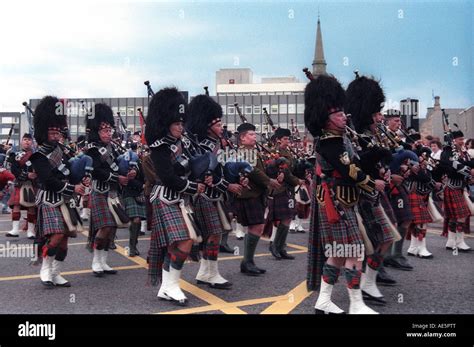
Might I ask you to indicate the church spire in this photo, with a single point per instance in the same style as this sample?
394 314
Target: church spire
319 63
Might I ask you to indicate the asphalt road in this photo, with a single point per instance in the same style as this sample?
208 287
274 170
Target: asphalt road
442 285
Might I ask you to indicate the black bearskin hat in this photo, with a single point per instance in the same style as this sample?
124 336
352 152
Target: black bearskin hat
50 113
102 114
202 113
457 133
166 107
320 96
364 97
281 132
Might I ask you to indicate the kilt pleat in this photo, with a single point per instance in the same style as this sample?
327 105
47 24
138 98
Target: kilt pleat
207 216
100 214
455 206
250 211
419 208
401 206
50 221
134 209
279 207
344 232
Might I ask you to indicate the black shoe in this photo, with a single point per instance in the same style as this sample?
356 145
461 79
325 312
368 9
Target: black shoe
377 300
225 249
10 235
110 272
292 231
112 245
285 255
274 252
98 273
384 278
262 271
142 233
249 269
48 284
400 263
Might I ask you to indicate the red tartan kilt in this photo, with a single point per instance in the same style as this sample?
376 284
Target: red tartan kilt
50 221
455 206
167 224
419 208
303 211
343 232
387 235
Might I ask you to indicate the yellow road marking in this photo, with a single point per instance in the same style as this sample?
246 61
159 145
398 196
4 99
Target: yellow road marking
208 308
292 300
77 272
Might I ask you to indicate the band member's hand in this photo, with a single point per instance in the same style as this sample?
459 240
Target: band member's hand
280 177
32 175
244 181
415 169
131 174
86 181
397 179
380 185
79 189
274 184
208 181
235 188
201 187
123 180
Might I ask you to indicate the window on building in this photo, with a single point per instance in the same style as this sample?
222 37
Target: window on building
7 120
274 109
283 108
300 108
291 108
257 110
279 93
267 106
224 109
248 109
231 110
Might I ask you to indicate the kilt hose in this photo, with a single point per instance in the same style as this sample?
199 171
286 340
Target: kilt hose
207 217
455 206
250 211
100 217
400 204
134 209
419 208
167 227
279 207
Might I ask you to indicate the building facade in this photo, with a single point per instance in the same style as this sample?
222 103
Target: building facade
9 120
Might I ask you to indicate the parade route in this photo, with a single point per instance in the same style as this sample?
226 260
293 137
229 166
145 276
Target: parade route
282 290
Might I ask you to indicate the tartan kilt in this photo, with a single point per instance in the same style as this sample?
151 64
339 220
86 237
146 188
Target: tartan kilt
207 216
50 221
401 206
250 211
303 211
100 214
344 232
15 198
168 224
279 207
455 206
419 208
380 219
134 209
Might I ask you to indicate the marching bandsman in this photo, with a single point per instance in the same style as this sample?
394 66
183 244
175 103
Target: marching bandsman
134 197
250 204
106 211
398 195
364 101
55 195
281 203
23 196
459 168
204 121
173 233
338 180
